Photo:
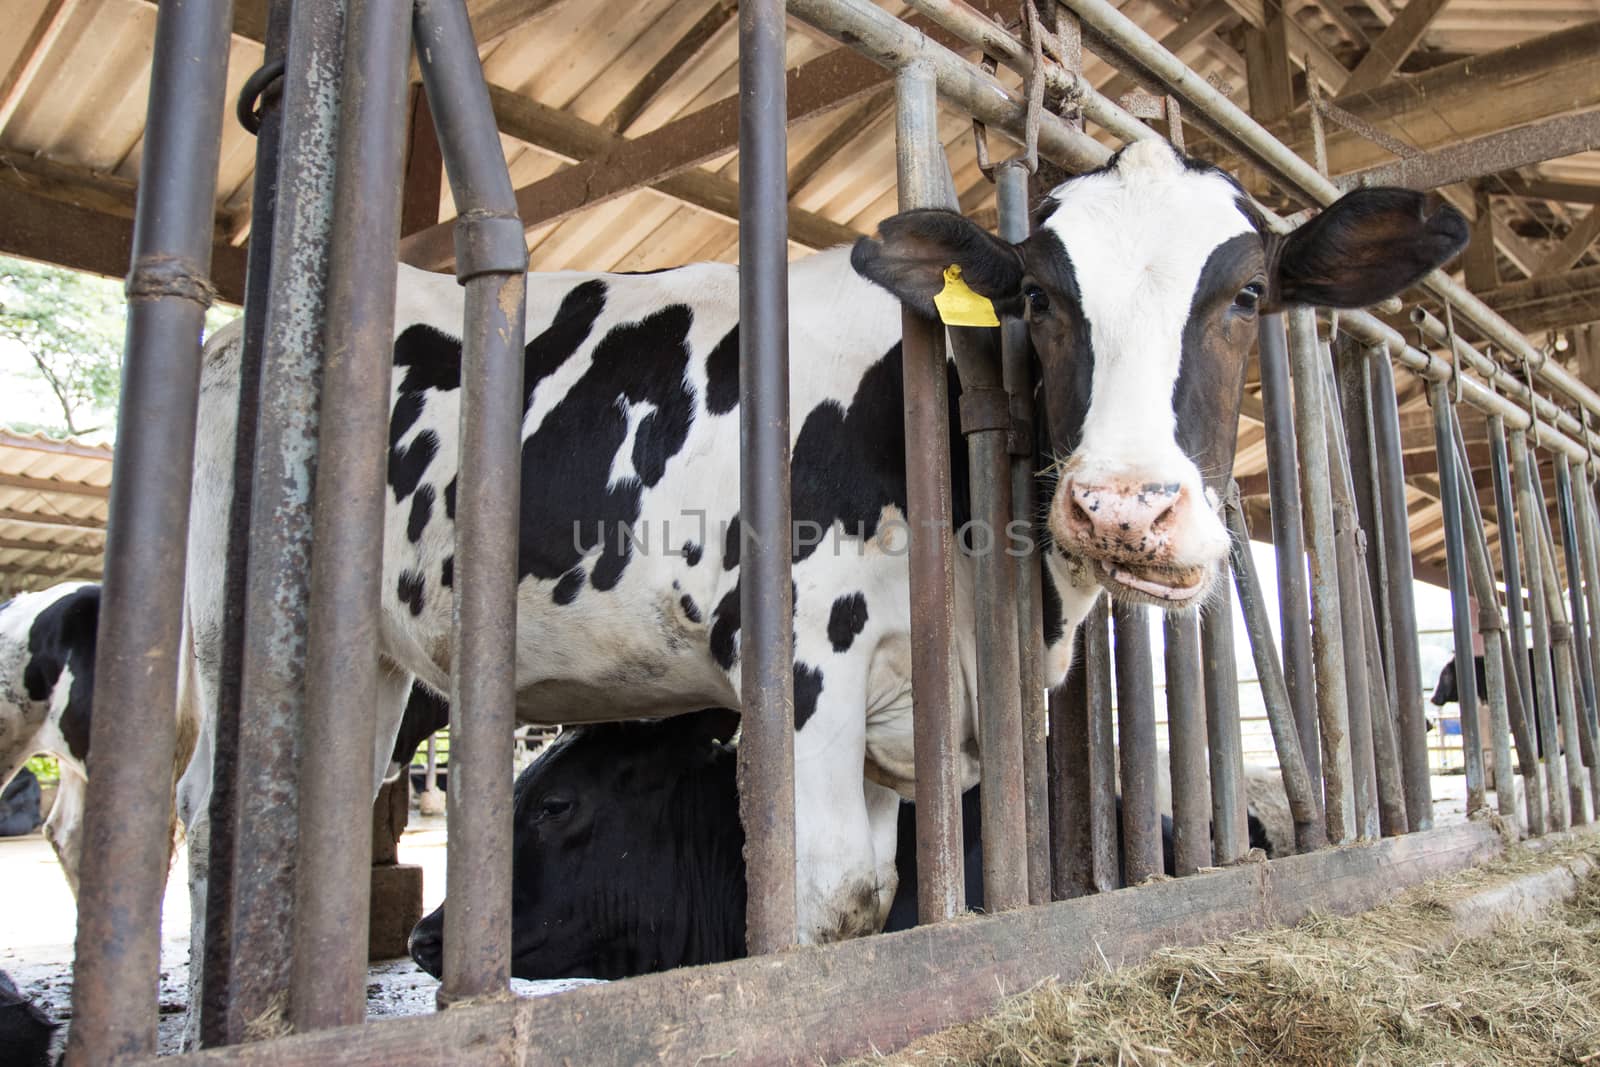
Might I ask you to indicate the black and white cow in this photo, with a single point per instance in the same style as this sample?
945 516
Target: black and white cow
1447 690
1140 287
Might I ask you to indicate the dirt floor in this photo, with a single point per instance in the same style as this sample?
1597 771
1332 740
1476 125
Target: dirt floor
1400 985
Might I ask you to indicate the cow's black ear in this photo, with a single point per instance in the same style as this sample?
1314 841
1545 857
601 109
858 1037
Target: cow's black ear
709 726
1365 247
909 256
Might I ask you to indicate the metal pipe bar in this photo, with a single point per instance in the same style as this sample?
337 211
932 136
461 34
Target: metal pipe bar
115 976
491 262
1071 854
1229 830
329 978
1186 733
1204 104
1136 730
272 671
1011 199
1580 621
1351 577
1288 537
213 833
1328 656
766 749
1544 684
940 888
1591 569
1104 841
1561 651
1490 626
1385 743
1522 710
1460 595
1305 799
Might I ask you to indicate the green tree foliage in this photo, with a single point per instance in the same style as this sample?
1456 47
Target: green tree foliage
71 325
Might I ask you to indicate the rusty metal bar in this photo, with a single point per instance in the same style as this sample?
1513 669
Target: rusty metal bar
213 832
1490 626
1071 854
1580 622
1011 198
1186 732
272 670
1544 683
491 263
1460 593
940 889
1385 743
1305 799
1327 648
1561 651
1352 631
1591 570
115 976
1230 835
1136 734
1105 844
1521 710
1288 537
328 984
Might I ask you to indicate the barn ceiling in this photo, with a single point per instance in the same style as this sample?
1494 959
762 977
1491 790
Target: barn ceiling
641 91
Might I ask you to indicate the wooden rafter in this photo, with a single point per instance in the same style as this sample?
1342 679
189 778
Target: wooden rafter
691 44
1572 247
34 50
1195 28
1302 46
1392 47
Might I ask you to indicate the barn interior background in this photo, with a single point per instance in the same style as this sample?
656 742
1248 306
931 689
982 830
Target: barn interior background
619 123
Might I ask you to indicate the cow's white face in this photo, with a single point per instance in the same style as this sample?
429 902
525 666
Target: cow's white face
1140 286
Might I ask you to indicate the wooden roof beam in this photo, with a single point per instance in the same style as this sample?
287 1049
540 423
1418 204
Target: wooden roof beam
46 30
1567 192
1197 26
1494 153
1549 303
1302 46
649 86
44 520
1402 36
1572 247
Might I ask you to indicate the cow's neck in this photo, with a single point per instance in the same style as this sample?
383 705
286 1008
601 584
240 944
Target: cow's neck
711 861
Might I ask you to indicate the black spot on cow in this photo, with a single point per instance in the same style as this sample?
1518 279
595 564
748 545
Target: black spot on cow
690 609
580 309
691 553
724 628
62 636
447 572
567 589
846 620
569 508
432 362
421 512
409 589
722 375
807 688
408 465
450 500
731 540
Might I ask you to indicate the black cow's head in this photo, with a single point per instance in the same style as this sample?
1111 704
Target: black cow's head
627 858
1140 286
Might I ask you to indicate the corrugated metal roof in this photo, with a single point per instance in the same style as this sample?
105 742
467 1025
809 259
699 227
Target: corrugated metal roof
53 497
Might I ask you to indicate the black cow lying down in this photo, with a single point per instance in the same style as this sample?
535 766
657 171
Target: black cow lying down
628 854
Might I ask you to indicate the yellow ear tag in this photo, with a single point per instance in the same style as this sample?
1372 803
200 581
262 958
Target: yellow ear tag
959 306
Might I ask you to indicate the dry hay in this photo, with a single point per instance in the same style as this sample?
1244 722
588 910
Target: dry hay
1391 986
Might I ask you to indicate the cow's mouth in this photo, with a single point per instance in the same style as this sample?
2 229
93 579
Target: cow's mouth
1164 586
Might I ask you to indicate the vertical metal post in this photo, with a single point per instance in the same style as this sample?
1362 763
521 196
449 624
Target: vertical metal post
1521 711
940 890
491 263
1406 672
1580 621
1071 854
1104 843
1186 733
1544 683
272 671
1288 538
1327 645
1591 569
1229 831
1136 730
329 977
124 859
217 825
1561 652
1305 800
1011 197
1460 594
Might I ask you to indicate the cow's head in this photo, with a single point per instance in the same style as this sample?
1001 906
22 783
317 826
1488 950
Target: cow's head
625 858
1140 286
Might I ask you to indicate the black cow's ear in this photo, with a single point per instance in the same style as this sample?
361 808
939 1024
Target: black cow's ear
1365 247
709 726
909 256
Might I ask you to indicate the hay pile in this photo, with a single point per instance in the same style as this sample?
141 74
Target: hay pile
1387 987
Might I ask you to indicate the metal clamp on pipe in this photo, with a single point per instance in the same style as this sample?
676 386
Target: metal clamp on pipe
985 408
1019 442
157 276
489 242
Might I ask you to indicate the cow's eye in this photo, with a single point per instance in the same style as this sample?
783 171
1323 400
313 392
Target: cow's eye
552 806
1038 301
1249 296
